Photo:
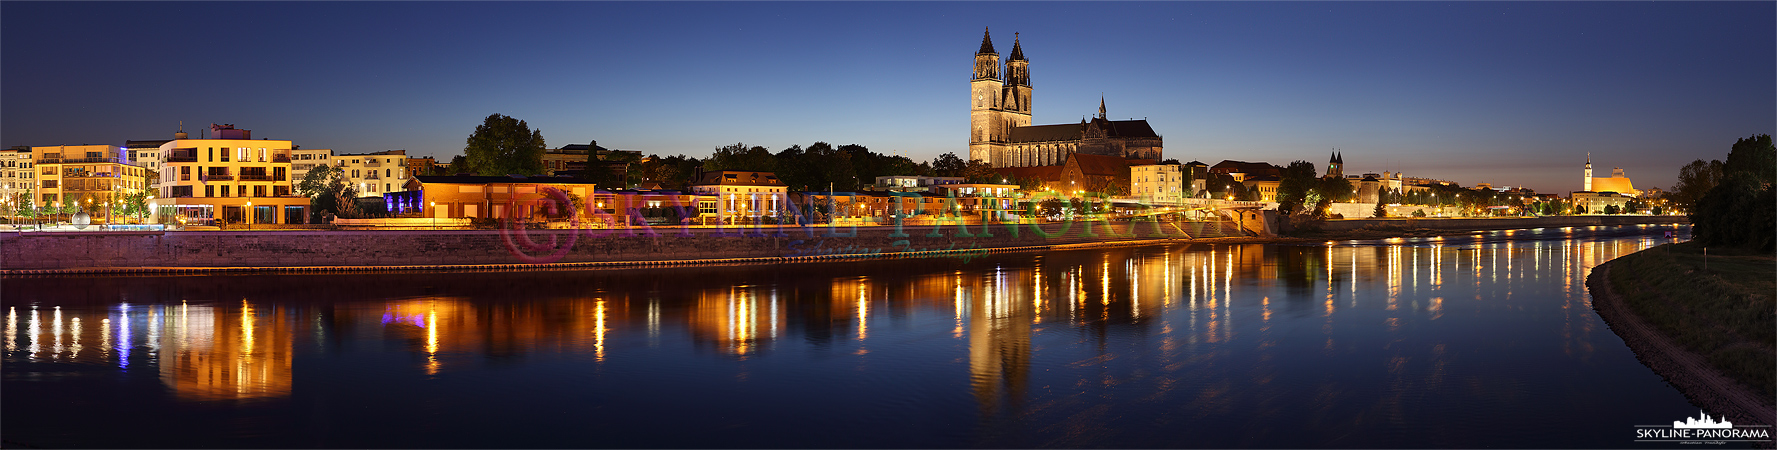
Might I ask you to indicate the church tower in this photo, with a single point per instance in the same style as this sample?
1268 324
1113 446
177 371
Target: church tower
1588 183
987 129
1336 165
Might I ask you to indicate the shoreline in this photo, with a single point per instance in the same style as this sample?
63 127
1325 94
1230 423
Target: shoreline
1685 370
176 253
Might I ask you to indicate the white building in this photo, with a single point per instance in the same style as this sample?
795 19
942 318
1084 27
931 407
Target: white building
375 174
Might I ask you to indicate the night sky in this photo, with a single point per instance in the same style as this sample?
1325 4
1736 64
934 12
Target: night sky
1511 93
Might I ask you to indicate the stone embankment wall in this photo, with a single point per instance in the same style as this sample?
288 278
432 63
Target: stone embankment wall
66 251
1508 223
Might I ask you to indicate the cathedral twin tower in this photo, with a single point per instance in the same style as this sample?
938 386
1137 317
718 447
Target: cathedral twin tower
1000 132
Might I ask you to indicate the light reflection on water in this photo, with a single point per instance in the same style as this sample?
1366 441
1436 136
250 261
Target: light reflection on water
1414 342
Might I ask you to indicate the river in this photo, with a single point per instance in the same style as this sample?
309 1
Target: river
1482 340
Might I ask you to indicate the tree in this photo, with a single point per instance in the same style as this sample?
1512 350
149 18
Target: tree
503 145
949 165
135 204
1611 209
328 193
1297 181
1381 210
1741 210
1337 189
978 171
1694 180
458 164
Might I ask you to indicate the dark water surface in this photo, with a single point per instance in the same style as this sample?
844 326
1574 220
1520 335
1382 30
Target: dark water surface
1476 341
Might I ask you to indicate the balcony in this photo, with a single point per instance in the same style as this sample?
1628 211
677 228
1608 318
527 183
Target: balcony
280 158
252 177
174 159
215 177
373 163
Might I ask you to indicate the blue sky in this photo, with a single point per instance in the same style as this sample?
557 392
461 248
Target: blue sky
1509 93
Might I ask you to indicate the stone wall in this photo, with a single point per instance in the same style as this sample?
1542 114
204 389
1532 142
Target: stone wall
1499 223
323 249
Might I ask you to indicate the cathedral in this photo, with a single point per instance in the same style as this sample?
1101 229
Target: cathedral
1000 132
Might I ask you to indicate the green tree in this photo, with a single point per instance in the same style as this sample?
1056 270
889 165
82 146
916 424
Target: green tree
1694 180
1380 211
1297 182
1611 209
978 171
1742 209
503 145
328 193
949 165
1337 189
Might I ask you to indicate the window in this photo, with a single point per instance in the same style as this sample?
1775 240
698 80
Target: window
49 184
385 172
224 190
281 191
258 191
181 191
185 173
704 207
209 191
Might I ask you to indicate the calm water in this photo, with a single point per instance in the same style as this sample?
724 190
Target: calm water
1475 341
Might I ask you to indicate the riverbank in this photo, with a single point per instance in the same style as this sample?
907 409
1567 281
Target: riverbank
328 251
1703 324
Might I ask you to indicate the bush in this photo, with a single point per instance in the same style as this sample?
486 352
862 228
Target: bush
1418 213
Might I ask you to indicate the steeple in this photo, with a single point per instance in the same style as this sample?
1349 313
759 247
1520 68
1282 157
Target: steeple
1017 52
1101 106
987 43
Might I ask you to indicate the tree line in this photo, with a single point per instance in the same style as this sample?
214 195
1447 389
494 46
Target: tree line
1732 202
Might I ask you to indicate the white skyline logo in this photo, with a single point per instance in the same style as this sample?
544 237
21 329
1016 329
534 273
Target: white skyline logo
1705 422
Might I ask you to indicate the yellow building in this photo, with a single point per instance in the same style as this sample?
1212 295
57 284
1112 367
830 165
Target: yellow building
92 175
228 178
743 195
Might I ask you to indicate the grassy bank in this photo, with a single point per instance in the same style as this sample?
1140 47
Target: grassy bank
1720 307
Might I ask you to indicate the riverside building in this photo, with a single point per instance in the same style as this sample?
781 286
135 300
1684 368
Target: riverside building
375 174
228 178
94 177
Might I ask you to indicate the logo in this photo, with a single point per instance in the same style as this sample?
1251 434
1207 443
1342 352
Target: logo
1702 429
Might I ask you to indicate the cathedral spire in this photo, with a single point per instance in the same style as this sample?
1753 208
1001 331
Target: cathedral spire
987 43
1101 106
1017 52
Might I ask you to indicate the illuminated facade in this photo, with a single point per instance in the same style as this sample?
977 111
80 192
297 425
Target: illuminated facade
374 174
743 196
229 178
1000 132
91 175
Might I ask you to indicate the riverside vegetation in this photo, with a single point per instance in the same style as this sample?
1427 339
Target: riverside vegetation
1720 307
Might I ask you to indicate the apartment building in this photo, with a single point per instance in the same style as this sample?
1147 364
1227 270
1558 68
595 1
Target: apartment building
92 176
16 177
228 178
741 195
1157 182
302 160
375 174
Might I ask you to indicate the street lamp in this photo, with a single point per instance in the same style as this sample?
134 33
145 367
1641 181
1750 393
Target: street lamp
249 215
434 215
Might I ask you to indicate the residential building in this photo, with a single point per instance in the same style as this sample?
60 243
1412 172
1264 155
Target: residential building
1101 174
302 160
92 175
1157 182
568 157
421 165
742 196
909 183
229 178
1241 170
374 174
17 178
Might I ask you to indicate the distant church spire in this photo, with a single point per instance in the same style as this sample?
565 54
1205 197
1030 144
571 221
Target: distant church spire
1101 106
1017 52
987 43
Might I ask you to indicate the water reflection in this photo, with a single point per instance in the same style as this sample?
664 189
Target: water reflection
1374 336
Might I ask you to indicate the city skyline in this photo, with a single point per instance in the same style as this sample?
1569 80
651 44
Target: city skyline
1508 94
